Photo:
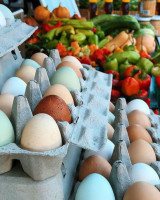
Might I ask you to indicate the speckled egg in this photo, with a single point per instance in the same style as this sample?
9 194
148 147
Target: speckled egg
55 107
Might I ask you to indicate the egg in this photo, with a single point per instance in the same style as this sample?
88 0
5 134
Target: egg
95 164
2 20
39 58
72 66
111 107
6 102
29 62
55 107
94 187
60 91
14 86
141 151
138 104
26 73
73 60
6 130
110 132
138 117
6 12
41 133
111 118
142 172
142 191
67 77
106 152
136 132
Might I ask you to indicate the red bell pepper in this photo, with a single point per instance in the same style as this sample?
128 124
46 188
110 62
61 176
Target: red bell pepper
156 112
85 60
143 79
130 86
131 71
144 54
141 94
38 31
148 101
98 56
48 27
106 52
115 94
158 81
115 80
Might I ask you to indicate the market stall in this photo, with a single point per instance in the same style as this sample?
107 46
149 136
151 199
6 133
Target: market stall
79 112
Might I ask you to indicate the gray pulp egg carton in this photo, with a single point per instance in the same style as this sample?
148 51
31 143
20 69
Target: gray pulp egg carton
120 160
86 131
11 36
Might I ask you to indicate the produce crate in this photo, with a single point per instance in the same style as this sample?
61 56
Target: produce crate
120 160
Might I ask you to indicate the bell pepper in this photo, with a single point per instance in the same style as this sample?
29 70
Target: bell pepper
79 37
143 79
129 47
156 70
76 16
93 39
100 33
123 67
144 54
37 32
148 101
130 86
142 94
63 39
145 65
85 60
51 44
111 64
115 94
103 42
158 81
98 56
48 27
115 79
131 71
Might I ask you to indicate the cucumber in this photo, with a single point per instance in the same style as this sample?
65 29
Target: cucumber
149 26
102 18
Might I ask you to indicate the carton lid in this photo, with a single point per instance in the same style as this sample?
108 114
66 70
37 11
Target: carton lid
13 35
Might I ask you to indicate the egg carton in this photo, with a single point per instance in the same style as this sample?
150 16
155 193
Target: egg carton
120 160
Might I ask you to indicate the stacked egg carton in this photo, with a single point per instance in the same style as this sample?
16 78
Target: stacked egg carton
120 160
55 170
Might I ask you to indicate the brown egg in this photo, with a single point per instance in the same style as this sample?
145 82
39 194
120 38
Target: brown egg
138 117
6 102
142 191
95 164
71 65
136 132
111 107
141 151
55 107
26 73
39 58
110 132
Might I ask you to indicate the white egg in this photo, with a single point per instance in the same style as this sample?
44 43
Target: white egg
72 59
138 104
106 152
2 20
95 187
14 86
143 172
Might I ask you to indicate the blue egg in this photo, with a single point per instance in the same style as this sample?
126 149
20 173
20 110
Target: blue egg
94 187
29 62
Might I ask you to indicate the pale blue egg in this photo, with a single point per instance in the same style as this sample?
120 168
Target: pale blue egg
6 130
67 77
95 187
29 62
6 12
111 118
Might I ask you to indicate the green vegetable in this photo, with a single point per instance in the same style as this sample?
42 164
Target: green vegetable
144 31
87 33
156 70
111 64
156 57
79 37
123 67
129 47
148 26
145 64
63 39
51 44
132 56
93 39
78 24
103 42
86 52
109 23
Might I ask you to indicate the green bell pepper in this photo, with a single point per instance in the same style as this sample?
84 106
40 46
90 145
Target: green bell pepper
111 64
79 37
145 65
156 70
93 40
129 47
123 67
87 33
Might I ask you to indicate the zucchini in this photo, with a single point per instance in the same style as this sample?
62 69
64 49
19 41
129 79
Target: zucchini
102 18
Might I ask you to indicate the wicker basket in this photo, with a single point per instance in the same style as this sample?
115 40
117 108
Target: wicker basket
148 8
